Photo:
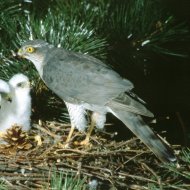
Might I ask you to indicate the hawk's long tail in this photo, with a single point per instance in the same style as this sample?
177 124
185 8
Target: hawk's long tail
136 124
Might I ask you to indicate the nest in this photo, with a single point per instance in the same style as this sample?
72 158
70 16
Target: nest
27 161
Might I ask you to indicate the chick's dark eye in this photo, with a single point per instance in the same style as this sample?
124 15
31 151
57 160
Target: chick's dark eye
19 84
30 49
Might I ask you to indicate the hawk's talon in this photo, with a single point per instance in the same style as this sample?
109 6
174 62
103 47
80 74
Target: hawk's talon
64 146
85 142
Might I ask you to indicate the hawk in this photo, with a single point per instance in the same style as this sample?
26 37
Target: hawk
86 83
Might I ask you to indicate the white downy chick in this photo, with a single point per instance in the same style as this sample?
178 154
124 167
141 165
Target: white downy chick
19 111
5 101
4 93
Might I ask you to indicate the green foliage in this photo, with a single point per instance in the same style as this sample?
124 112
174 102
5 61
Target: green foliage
129 31
179 171
3 185
73 28
138 29
66 29
186 155
60 182
8 9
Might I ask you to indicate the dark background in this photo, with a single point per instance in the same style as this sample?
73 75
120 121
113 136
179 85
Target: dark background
164 83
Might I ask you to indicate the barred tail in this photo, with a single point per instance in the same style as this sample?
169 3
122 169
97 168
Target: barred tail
136 124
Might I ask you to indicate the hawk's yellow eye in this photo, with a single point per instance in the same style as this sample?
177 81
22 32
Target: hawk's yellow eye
30 49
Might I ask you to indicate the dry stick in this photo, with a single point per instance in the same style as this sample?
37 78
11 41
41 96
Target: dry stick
6 181
177 187
37 184
46 131
104 176
19 175
50 148
24 186
23 178
76 168
105 153
155 175
98 168
46 151
135 187
130 160
95 140
137 177
29 152
56 123
87 155
98 175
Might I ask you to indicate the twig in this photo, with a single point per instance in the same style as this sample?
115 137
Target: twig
138 177
47 131
155 175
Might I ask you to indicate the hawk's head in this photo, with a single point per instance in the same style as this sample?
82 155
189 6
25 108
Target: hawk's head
35 51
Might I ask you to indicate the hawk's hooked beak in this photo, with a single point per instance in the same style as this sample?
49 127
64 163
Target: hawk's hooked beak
20 53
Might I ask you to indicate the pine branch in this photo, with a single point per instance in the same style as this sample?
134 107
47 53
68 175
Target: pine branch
138 27
73 28
146 26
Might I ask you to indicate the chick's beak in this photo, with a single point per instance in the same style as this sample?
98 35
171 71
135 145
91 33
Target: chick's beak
8 98
27 85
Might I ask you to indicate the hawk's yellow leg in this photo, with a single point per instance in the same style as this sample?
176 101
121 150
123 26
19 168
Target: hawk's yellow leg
70 133
88 134
66 144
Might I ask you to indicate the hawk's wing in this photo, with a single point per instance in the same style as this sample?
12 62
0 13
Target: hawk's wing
83 78
78 78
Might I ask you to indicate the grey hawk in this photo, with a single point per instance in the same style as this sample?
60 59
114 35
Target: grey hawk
85 83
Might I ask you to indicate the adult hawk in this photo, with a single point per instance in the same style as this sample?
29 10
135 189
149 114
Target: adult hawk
85 83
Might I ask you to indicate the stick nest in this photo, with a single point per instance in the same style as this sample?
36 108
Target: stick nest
27 161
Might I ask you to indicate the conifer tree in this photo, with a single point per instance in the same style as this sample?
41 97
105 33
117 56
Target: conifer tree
121 33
